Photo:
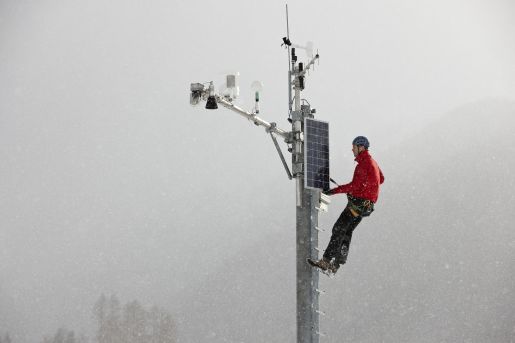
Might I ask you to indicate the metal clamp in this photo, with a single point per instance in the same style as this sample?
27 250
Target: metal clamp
272 127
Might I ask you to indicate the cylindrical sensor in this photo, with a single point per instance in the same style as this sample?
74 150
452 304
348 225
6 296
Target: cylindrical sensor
231 81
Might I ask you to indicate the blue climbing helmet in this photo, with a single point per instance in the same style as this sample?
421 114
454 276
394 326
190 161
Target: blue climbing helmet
361 141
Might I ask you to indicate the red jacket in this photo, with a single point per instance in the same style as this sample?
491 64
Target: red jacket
366 180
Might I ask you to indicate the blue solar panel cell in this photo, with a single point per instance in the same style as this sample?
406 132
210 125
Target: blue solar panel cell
316 154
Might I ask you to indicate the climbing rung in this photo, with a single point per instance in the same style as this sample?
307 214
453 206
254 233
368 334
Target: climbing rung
321 334
319 229
322 208
319 291
320 312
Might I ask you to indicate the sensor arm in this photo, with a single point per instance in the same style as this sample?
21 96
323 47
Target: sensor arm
306 68
252 117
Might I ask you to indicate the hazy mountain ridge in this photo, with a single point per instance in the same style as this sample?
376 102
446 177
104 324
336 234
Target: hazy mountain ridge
443 219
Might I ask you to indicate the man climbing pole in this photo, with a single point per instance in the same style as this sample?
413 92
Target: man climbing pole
362 193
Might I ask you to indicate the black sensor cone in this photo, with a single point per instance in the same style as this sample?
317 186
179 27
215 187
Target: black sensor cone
211 103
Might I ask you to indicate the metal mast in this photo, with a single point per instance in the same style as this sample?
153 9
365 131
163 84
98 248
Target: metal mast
307 218
307 200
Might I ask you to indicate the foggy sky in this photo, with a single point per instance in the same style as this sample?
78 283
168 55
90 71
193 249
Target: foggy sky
110 182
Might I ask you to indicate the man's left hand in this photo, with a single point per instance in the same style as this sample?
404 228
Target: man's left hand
329 192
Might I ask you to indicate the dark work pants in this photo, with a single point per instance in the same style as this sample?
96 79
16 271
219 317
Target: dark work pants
338 247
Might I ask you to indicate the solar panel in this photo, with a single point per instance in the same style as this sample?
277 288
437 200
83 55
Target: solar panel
316 154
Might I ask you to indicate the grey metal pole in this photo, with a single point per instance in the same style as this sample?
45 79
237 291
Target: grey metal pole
307 236
307 277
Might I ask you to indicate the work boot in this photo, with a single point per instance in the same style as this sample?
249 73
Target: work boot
333 267
324 264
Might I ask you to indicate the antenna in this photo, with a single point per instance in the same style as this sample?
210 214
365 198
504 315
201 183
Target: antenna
309 141
287 23
287 42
